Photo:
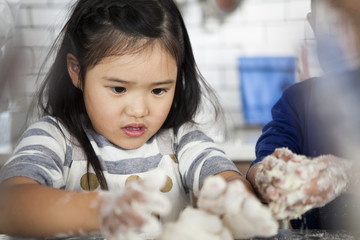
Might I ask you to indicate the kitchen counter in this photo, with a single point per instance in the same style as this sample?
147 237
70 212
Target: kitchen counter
240 146
238 151
283 234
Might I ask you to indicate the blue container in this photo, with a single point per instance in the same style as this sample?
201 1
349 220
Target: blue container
262 81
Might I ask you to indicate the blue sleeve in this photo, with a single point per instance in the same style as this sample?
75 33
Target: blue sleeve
288 120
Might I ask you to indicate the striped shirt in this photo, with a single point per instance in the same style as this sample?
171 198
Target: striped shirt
49 154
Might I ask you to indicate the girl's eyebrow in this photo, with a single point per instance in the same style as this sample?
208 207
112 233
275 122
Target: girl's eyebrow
110 79
165 82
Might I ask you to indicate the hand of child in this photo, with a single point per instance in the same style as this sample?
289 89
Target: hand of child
294 184
242 213
130 213
195 224
274 174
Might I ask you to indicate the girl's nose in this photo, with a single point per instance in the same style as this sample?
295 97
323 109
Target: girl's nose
137 108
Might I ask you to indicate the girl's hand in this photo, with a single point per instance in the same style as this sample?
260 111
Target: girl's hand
294 184
242 213
131 213
195 224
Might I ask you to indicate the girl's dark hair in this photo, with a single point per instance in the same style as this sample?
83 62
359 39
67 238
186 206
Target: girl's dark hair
102 28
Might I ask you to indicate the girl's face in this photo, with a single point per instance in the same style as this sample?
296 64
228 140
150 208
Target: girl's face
128 98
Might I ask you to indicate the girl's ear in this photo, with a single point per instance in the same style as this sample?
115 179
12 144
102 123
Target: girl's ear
73 69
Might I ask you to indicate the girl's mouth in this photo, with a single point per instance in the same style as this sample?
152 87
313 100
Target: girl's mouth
134 130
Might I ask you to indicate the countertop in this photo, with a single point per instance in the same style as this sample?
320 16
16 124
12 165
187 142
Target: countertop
283 234
240 146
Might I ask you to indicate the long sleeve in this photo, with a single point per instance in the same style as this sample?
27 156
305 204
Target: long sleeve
288 125
40 154
199 157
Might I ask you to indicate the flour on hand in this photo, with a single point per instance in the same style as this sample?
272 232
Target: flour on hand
241 212
130 214
195 224
294 184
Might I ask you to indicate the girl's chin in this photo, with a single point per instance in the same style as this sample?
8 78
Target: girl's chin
129 145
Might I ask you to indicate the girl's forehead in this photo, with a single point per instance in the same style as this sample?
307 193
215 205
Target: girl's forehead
154 63
131 48
147 54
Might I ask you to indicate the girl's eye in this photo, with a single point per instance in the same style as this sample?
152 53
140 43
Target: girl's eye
158 91
118 90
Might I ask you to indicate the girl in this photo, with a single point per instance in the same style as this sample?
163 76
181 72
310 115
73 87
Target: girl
119 101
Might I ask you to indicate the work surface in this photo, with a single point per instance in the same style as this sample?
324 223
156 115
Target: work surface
282 235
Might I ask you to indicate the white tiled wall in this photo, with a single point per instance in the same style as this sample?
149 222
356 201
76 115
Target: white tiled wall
258 27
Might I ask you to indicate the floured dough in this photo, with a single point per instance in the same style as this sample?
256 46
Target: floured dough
241 212
140 200
196 224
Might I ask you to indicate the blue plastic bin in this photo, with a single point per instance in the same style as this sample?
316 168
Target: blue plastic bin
262 81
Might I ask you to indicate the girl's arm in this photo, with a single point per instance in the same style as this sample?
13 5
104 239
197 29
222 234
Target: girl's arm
232 175
28 209
251 178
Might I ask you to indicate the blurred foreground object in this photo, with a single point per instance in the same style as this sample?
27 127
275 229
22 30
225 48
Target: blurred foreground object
8 11
337 34
7 28
7 23
318 120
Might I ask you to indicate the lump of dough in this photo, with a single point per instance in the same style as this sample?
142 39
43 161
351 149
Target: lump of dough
196 224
